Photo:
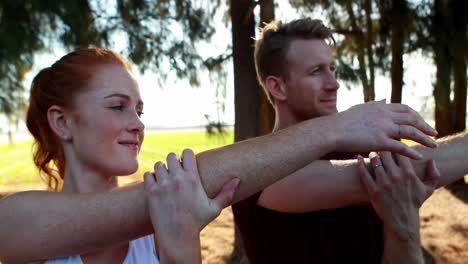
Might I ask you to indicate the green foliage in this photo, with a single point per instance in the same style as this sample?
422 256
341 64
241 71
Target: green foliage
161 35
18 172
31 26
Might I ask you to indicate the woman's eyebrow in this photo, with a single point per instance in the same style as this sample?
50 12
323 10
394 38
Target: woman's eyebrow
118 95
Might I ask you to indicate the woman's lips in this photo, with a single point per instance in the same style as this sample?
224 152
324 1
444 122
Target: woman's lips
133 145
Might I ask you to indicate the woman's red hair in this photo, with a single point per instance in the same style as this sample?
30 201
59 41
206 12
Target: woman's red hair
57 85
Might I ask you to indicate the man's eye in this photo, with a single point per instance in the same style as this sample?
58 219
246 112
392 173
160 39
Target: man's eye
315 71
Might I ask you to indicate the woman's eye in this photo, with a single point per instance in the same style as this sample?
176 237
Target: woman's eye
117 107
139 113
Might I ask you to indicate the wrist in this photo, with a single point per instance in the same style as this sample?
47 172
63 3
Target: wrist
180 249
328 133
403 235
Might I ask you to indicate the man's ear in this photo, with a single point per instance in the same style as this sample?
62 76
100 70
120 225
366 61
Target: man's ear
276 87
59 122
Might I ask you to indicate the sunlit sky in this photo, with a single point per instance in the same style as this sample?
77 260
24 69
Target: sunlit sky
178 105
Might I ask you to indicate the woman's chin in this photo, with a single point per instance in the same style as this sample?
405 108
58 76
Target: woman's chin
128 170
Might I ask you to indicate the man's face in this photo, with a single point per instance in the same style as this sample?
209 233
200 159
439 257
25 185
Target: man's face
311 86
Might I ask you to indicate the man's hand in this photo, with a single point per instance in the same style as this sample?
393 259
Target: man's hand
179 207
376 126
396 195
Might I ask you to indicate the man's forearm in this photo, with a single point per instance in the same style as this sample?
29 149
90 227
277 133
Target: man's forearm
333 184
449 157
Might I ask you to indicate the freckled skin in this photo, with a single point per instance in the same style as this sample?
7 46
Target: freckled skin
100 122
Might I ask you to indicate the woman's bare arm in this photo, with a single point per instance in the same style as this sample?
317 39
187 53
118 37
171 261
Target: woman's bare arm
39 225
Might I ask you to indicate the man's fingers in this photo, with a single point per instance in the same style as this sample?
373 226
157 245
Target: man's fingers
366 177
189 161
400 148
416 135
224 197
408 116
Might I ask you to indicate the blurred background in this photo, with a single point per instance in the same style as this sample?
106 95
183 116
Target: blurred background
194 64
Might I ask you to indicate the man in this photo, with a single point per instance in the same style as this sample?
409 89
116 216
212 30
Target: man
284 223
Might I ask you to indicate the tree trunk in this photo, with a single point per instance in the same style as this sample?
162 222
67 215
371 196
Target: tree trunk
442 59
459 98
266 111
398 13
246 88
369 49
360 52
245 83
459 46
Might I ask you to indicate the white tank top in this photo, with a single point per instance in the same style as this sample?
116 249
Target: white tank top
140 250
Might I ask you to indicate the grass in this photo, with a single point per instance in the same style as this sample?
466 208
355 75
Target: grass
17 171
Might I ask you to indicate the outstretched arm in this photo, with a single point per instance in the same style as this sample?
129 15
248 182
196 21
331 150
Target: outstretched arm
333 184
39 225
396 194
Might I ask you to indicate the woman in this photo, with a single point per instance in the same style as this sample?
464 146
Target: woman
84 115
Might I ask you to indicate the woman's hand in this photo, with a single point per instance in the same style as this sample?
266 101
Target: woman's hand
179 207
396 195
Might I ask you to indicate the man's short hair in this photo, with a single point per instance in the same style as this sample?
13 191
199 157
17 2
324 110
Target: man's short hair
275 38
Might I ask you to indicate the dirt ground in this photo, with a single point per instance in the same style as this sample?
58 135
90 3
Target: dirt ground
444 230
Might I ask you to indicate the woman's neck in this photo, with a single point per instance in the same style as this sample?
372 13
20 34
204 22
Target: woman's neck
82 179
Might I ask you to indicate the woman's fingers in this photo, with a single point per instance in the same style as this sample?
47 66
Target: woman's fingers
160 172
377 166
189 161
366 177
173 163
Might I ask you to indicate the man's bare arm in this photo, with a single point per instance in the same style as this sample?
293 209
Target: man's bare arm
39 225
333 184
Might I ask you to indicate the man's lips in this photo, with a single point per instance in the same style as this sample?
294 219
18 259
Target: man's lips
328 100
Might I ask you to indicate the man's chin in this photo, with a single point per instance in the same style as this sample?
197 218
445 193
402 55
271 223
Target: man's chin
330 111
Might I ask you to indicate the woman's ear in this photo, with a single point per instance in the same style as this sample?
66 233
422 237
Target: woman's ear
59 123
276 87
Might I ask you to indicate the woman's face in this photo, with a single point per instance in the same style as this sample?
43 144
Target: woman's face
106 129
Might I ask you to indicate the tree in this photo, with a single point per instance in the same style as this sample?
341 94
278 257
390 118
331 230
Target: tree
246 87
266 111
352 20
25 27
399 14
460 57
449 31
245 82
